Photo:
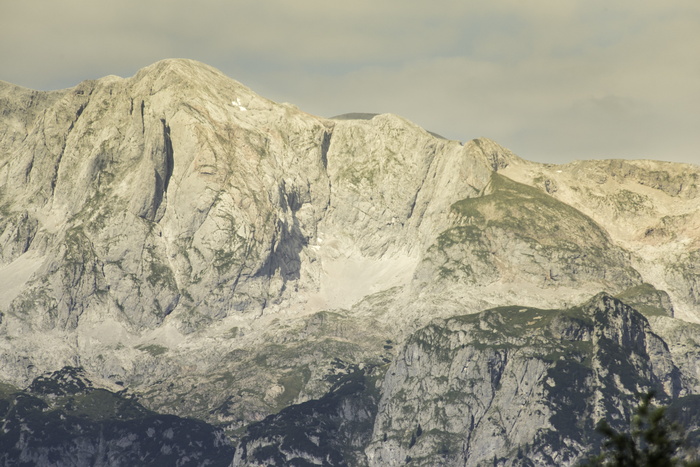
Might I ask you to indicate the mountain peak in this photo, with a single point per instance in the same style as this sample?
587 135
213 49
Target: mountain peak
183 66
176 235
497 156
185 77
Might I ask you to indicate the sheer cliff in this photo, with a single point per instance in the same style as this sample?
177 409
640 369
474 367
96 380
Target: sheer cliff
224 257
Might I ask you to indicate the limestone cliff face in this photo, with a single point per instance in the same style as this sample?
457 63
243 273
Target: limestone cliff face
149 179
514 234
186 178
506 386
218 253
648 207
514 383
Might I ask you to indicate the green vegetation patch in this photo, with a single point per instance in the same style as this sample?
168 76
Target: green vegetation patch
550 335
647 299
559 241
154 349
529 213
6 390
37 297
293 383
100 404
159 273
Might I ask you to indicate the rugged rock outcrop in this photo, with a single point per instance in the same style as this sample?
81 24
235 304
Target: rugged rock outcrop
514 383
332 430
506 386
647 207
61 419
217 253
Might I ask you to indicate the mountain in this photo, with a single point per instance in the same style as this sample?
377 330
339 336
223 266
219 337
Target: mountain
506 386
212 255
61 419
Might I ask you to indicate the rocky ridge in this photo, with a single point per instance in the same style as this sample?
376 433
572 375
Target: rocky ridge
61 419
222 256
506 386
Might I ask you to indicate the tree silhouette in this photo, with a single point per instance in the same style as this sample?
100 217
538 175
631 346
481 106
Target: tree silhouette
653 441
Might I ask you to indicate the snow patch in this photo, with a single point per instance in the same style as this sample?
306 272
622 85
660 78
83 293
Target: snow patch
14 276
346 280
237 103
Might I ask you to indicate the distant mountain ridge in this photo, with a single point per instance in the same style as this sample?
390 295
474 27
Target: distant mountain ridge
227 258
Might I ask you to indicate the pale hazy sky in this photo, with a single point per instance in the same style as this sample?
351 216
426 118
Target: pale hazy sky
552 80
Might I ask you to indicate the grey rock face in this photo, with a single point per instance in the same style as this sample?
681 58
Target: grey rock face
506 386
650 208
216 252
332 430
514 230
682 340
517 383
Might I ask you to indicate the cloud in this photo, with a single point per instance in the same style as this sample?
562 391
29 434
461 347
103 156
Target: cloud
551 80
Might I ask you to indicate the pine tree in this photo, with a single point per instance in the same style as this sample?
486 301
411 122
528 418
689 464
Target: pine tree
652 441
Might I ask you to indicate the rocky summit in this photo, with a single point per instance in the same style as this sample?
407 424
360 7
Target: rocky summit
192 274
